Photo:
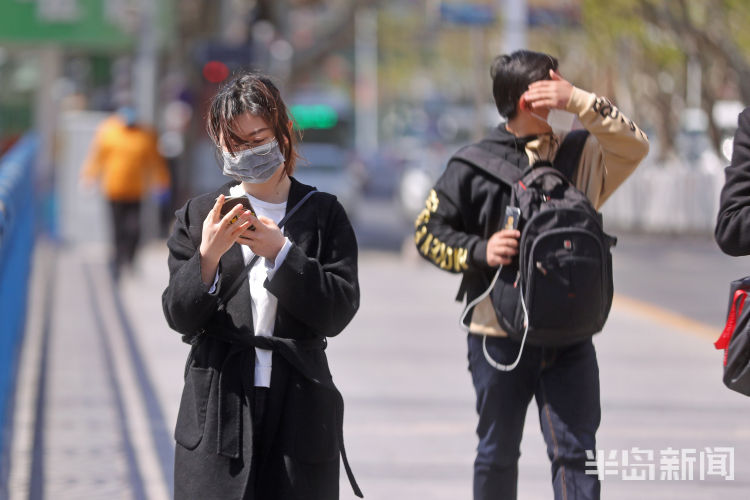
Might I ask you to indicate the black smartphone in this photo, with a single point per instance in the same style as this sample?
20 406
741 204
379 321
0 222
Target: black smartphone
231 201
512 214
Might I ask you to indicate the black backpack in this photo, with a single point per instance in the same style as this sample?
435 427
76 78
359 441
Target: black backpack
561 285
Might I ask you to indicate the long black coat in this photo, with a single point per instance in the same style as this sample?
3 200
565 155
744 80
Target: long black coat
732 231
318 294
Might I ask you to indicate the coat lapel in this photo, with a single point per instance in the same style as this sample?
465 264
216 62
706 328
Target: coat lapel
291 230
238 306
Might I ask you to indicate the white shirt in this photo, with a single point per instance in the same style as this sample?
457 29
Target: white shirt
263 303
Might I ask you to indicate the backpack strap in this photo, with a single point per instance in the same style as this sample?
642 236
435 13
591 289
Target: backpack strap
569 155
507 169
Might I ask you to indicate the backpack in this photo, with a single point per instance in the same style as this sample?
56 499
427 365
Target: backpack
735 338
559 290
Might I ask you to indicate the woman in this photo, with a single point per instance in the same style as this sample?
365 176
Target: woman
259 423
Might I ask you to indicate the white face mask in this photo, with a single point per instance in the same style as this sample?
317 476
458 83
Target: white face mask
254 165
560 121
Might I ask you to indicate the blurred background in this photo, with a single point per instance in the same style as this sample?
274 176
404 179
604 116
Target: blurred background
383 92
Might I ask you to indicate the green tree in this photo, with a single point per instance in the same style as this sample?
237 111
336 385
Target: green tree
650 43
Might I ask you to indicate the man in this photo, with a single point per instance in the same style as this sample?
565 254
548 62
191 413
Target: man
125 156
732 231
459 231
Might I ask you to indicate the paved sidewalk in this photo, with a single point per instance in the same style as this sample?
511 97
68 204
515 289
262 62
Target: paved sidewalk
80 430
108 372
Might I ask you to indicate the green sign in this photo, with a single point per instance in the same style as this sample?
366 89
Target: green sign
106 24
318 116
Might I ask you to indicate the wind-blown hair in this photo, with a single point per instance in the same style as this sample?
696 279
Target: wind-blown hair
256 94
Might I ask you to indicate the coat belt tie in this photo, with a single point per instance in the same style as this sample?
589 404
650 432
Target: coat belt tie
231 390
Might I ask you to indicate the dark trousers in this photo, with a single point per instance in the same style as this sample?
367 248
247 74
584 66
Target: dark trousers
259 404
565 383
126 228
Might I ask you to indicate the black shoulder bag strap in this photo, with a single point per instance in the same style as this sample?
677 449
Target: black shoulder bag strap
243 275
505 169
569 155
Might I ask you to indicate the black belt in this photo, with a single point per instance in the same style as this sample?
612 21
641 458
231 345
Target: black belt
231 390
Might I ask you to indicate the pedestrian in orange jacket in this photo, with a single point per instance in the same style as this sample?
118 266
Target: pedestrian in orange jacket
124 157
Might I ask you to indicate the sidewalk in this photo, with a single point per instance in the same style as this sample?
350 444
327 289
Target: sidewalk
108 374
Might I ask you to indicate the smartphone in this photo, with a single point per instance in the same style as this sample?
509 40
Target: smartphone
231 201
512 214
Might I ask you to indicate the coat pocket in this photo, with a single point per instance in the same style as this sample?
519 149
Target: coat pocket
191 418
316 435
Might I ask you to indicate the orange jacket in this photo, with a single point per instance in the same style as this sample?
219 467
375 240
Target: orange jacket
127 161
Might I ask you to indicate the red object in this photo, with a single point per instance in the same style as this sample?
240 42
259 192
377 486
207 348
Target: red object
726 335
215 71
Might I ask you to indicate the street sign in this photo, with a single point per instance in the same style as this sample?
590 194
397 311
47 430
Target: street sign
103 24
317 116
468 14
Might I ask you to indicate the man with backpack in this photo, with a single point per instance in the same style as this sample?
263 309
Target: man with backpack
529 325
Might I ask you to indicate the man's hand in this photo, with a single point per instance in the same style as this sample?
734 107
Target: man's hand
502 247
548 94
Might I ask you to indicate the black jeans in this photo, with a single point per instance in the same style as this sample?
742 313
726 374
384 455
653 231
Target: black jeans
565 383
126 228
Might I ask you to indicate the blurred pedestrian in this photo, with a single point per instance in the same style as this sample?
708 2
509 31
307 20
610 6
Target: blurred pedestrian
260 417
732 230
124 157
463 220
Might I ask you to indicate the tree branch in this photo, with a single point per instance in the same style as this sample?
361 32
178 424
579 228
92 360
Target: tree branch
341 34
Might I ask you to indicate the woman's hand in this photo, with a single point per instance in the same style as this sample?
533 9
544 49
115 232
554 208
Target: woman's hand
263 237
219 234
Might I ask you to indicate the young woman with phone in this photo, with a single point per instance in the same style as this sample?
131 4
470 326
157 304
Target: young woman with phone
259 417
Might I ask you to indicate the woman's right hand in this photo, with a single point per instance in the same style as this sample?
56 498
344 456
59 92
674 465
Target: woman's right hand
219 234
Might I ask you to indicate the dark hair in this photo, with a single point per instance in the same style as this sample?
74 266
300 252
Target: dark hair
256 94
512 74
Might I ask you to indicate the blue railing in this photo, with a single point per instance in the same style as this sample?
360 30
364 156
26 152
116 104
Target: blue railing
17 230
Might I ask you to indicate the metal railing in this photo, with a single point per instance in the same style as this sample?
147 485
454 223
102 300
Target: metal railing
671 198
17 231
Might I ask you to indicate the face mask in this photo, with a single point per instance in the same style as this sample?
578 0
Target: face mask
558 120
254 165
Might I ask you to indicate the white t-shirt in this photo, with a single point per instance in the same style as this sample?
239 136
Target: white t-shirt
263 303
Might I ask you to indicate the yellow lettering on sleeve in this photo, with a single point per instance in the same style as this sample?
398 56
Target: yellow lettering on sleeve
420 233
425 248
462 259
432 201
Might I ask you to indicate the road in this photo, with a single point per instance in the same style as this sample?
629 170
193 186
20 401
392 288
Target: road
101 377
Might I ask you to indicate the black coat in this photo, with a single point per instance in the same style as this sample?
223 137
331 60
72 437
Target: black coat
733 223
318 294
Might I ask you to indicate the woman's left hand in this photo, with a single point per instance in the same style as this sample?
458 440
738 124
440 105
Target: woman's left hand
263 237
